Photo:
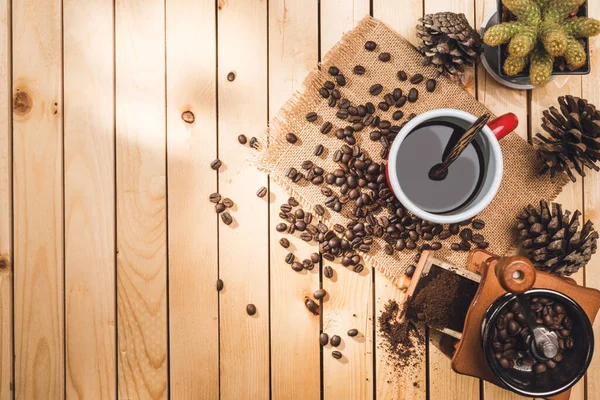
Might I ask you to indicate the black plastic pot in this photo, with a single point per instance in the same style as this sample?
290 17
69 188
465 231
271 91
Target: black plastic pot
554 381
583 12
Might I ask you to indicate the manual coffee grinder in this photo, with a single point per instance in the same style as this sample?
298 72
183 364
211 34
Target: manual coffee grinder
502 285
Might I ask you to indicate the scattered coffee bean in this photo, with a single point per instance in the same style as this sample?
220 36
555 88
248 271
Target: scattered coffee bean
397 115
226 218
329 85
335 340
328 272
261 192
353 332
410 271
477 238
219 285
281 227
333 70
358 268
293 202
220 207
216 164
413 95
466 234
455 246
254 142
402 76
326 127
312 306
289 258
319 294
231 76
242 139
478 224
416 79
323 339
436 246
359 70
319 210
215 198
227 202
251 309
324 93
336 354
385 57
297 266
341 80
284 243
308 265
430 85
307 237
311 116
319 150
291 138
315 257
375 89
370 45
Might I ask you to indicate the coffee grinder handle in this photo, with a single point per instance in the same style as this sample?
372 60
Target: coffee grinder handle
515 274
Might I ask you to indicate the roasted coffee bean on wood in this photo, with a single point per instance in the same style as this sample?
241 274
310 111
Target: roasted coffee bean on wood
226 218
251 309
311 306
336 354
227 202
242 139
353 332
335 340
289 258
284 243
216 164
328 272
215 198
254 142
261 192
323 339
219 285
319 294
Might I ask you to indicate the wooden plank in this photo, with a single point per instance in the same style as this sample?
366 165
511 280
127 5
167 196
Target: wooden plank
572 195
293 52
499 99
243 245
6 309
350 303
89 199
141 199
193 247
443 382
591 184
38 199
391 383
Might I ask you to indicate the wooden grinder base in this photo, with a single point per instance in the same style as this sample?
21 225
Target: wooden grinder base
468 358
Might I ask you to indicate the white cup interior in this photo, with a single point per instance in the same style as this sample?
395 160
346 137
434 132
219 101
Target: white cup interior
492 159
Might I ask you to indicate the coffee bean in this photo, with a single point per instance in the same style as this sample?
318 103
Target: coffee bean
254 142
335 340
329 85
215 198
383 106
333 70
478 224
307 237
359 70
216 164
319 294
220 207
297 266
416 79
341 80
311 116
396 94
227 202
308 265
336 94
410 271
455 247
242 139
284 243
430 85
375 89
326 127
324 93
358 268
436 246
352 332
261 192
397 115
300 226
328 272
370 45
219 285
318 150
445 234
413 95
231 76
251 309
226 218
336 354
477 238
402 76
289 258
466 234
385 57
312 306
281 227
465 246
319 210
293 202
323 339
291 138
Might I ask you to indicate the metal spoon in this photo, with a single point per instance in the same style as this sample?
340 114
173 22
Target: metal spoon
440 171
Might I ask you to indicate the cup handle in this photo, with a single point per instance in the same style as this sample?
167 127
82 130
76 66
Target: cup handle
503 125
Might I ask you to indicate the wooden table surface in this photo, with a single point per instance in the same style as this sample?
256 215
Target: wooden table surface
112 246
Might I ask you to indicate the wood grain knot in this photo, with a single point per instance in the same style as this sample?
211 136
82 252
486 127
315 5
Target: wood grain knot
21 103
188 117
4 262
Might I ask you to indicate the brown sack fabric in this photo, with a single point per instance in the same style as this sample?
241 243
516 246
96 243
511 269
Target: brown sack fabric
520 186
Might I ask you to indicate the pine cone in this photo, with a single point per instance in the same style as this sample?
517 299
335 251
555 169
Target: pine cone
574 139
449 43
552 240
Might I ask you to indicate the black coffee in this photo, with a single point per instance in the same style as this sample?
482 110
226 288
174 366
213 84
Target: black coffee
422 149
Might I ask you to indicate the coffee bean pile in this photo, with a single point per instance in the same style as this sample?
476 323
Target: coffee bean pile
511 331
221 205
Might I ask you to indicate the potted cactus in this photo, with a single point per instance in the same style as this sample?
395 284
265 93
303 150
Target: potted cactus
545 37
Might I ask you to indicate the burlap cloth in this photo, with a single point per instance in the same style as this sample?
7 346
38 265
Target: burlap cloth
520 185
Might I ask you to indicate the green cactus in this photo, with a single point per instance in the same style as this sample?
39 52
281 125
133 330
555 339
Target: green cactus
582 27
543 30
575 55
540 66
522 43
513 65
